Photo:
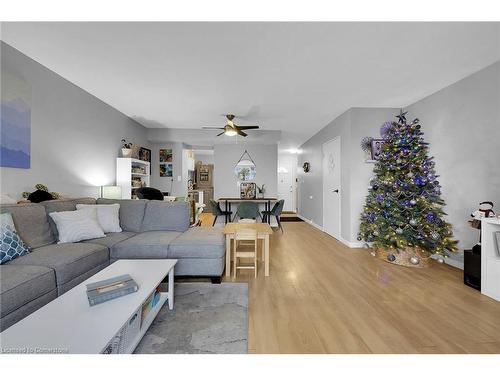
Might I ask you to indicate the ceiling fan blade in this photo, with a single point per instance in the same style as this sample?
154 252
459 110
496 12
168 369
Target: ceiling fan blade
243 134
212 127
220 134
248 127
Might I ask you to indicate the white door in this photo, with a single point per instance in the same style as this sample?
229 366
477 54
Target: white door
331 187
286 181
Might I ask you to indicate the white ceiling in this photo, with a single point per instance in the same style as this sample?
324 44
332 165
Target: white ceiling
292 77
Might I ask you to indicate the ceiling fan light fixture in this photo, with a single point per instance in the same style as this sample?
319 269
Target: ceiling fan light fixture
230 132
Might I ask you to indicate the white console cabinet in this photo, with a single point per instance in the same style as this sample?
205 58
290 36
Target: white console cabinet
490 258
132 174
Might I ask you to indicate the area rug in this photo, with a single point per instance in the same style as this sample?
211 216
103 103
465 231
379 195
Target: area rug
207 318
290 218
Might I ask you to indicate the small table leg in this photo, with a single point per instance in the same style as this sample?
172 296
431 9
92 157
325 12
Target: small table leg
228 255
226 209
170 292
266 255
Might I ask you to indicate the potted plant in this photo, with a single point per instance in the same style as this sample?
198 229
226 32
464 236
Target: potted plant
261 191
126 149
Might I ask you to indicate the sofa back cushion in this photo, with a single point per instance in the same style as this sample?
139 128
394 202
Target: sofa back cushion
32 225
62 205
162 215
131 212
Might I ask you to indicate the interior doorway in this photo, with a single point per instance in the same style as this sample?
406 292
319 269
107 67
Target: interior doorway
331 187
287 168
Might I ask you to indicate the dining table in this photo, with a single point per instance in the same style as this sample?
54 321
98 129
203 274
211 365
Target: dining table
266 200
264 230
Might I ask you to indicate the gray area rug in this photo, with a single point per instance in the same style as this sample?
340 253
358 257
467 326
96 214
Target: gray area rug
207 318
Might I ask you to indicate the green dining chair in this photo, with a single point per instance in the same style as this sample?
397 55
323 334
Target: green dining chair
276 212
217 211
247 210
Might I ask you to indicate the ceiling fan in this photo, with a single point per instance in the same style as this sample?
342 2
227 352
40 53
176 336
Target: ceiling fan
231 129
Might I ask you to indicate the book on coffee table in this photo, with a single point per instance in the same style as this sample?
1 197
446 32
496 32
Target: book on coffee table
109 289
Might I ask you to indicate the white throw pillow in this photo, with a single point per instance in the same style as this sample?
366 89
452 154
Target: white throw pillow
107 215
5 199
75 226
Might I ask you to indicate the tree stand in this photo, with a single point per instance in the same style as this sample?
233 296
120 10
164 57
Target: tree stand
409 257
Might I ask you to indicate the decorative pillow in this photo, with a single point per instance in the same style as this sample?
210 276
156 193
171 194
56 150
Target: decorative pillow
6 199
12 246
75 226
107 215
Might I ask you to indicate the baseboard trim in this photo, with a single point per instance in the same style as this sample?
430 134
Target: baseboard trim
353 245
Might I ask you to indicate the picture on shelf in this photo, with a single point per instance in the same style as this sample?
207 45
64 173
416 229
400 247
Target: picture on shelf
145 154
247 190
166 155
376 148
166 170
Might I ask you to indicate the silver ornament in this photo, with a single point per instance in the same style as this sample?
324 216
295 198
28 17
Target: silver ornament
413 222
414 260
435 235
399 231
413 202
440 260
373 253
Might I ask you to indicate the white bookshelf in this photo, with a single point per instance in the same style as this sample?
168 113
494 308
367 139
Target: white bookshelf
490 258
132 174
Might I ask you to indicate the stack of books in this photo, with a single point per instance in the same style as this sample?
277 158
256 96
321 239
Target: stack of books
109 289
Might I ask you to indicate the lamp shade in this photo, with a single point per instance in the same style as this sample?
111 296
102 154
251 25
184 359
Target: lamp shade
111 192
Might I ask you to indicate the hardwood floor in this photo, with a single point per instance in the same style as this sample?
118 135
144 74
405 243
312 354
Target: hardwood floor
323 297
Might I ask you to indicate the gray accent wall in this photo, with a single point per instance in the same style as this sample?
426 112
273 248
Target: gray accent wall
351 127
75 137
227 155
462 124
177 184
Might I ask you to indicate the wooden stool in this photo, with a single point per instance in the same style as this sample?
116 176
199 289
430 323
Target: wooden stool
245 246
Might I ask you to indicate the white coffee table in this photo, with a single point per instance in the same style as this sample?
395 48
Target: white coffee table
69 325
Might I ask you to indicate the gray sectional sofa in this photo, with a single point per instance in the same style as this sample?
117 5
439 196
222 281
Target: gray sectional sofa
151 230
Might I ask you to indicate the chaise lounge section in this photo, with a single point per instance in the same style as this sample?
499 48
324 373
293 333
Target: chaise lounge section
151 230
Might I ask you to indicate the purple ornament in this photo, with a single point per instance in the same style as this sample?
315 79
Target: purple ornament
419 180
385 129
430 216
380 198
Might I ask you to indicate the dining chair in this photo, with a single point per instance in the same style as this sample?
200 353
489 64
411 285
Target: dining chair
245 246
276 212
217 211
247 210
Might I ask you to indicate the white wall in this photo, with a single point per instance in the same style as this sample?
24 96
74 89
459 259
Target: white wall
204 156
227 155
75 137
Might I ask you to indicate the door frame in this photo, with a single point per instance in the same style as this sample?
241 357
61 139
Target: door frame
293 173
340 187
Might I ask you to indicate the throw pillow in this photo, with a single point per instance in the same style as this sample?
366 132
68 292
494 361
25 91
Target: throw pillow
75 226
12 246
107 215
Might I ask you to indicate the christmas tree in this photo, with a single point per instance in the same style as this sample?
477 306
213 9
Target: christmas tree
403 213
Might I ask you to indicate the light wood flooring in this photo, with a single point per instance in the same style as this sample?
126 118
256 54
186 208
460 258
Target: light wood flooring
323 297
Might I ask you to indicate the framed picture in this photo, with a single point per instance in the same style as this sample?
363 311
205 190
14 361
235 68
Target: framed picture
166 155
376 148
145 155
166 170
247 190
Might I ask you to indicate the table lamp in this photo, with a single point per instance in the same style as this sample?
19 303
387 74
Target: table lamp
111 192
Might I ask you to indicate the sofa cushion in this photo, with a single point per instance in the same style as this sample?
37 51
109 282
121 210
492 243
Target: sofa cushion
111 239
144 245
31 223
161 215
198 242
59 205
11 245
22 284
68 260
131 212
